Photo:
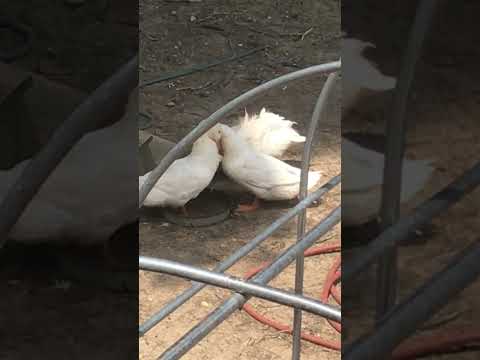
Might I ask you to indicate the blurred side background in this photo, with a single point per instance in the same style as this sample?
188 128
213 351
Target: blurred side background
64 292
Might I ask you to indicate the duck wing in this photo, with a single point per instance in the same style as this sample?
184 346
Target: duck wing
266 172
268 133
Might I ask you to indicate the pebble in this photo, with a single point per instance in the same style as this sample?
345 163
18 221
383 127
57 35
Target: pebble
170 104
205 304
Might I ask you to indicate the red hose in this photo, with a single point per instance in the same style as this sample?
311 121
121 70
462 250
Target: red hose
444 342
332 277
447 341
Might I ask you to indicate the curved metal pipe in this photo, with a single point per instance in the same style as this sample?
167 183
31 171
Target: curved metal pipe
237 255
213 119
247 288
236 301
302 216
96 110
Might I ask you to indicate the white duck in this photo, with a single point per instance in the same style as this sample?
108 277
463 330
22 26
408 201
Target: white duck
187 177
362 180
89 195
359 76
265 176
268 133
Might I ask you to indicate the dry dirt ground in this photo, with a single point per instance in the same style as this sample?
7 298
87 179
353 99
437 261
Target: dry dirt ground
443 118
178 35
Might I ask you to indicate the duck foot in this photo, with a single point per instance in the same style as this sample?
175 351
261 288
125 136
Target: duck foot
243 208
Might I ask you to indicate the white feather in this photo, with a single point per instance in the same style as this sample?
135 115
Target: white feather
89 195
268 133
359 74
265 176
186 178
362 180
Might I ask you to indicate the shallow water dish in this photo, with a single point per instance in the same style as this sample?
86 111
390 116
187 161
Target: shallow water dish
209 208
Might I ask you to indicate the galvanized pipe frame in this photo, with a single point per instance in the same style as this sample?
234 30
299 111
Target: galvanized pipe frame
423 214
218 115
95 111
404 319
247 288
299 209
395 132
396 323
302 217
237 255
189 139
236 301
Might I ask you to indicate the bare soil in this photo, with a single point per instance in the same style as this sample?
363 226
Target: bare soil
176 36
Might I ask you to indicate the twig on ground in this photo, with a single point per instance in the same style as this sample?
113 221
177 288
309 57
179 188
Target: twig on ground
306 33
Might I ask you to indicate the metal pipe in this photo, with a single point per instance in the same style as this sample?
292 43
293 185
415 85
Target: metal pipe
441 201
236 301
424 303
395 147
302 216
95 111
239 254
243 287
213 119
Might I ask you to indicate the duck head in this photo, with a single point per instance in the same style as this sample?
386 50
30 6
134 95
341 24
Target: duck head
215 133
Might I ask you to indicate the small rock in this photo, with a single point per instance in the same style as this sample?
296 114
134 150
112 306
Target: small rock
193 18
205 304
173 12
170 104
